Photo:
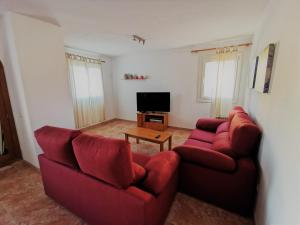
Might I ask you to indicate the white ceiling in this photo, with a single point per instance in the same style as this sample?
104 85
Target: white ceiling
105 26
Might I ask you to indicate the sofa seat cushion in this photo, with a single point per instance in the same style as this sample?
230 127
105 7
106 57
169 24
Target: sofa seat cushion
56 143
160 169
107 159
224 127
196 143
244 135
222 144
202 135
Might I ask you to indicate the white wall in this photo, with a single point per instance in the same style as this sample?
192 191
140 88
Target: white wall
174 70
278 114
37 78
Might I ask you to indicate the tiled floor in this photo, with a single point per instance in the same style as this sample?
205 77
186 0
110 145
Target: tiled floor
23 202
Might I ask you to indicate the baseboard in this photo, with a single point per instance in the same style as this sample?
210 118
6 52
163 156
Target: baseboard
172 127
98 124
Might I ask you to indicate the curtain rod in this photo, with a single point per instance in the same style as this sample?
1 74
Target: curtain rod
209 49
80 56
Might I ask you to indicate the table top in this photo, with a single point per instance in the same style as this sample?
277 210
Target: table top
148 134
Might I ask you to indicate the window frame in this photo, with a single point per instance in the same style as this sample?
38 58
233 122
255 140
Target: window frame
208 57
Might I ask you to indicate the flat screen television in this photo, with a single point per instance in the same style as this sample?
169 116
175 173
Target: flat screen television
153 101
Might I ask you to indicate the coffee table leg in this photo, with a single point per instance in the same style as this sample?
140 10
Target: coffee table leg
137 141
170 143
126 137
161 146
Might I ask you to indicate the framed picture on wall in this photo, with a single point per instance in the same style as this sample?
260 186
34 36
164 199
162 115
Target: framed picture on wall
254 72
264 69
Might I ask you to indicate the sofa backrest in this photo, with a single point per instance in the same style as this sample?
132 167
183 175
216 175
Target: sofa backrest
107 159
244 135
56 143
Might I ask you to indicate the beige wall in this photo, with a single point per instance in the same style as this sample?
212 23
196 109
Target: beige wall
37 78
173 70
278 115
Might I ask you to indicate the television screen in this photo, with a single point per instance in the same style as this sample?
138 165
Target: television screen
153 101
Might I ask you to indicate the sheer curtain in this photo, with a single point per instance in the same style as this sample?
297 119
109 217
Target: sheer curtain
87 90
223 95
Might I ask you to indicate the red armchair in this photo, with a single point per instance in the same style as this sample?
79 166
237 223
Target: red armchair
100 180
218 162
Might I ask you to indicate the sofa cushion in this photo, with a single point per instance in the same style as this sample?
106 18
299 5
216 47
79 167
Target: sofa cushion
56 144
160 169
202 135
209 124
196 143
224 127
244 135
139 173
222 144
107 159
206 157
235 110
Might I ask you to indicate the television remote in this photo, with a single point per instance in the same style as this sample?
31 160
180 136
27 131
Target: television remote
158 136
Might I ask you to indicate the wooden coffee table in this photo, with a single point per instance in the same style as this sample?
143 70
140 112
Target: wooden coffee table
159 137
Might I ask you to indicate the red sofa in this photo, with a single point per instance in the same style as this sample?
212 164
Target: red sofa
218 161
100 180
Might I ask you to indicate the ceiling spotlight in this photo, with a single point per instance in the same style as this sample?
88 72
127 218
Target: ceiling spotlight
138 39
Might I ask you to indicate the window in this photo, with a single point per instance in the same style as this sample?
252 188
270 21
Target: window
87 90
219 75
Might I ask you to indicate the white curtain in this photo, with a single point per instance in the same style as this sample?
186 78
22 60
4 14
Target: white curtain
222 99
87 91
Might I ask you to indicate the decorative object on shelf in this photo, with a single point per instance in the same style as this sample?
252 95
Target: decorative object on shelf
264 69
128 76
138 39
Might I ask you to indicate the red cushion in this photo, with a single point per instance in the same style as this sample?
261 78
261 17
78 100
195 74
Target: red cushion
202 135
209 124
235 110
224 127
244 135
200 144
206 157
56 143
160 169
222 144
107 159
139 172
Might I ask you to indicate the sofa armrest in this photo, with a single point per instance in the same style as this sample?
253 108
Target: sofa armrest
209 124
206 157
160 170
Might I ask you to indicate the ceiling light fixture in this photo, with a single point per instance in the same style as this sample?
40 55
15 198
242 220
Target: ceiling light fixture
138 39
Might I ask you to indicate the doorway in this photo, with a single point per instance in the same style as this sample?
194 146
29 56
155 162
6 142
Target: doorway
9 143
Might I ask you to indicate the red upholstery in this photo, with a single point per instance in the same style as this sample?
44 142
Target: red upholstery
160 169
233 191
221 143
139 172
202 135
223 127
235 110
56 144
209 124
206 157
98 157
100 203
140 159
244 135
221 170
198 144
